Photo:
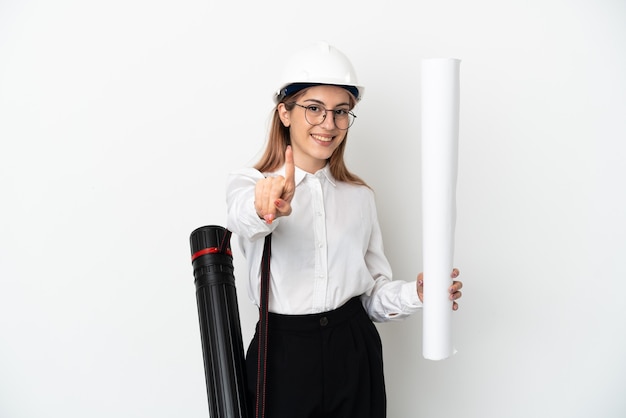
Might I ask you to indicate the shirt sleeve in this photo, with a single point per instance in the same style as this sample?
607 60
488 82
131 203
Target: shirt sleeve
391 300
388 299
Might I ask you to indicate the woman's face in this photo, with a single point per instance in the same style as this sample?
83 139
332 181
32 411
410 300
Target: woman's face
313 144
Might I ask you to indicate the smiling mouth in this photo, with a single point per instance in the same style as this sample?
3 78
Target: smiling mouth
322 138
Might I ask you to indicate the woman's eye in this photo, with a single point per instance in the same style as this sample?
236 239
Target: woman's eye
314 109
341 112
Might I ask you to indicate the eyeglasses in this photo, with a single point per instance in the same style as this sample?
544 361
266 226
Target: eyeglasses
316 115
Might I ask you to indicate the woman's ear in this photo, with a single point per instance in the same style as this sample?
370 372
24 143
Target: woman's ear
283 114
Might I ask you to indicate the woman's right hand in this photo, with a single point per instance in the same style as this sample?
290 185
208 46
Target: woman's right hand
455 289
272 196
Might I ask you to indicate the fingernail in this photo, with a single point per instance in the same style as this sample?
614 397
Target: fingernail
420 282
278 203
269 218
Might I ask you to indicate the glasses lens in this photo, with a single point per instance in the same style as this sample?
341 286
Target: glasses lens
343 118
314 114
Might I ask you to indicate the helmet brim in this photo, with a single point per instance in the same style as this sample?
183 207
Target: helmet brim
292 88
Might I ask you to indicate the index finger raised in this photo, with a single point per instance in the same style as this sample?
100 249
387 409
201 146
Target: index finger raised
290 167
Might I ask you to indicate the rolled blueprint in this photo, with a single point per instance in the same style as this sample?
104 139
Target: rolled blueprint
440 132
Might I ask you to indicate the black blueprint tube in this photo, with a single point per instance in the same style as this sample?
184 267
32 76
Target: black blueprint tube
220 328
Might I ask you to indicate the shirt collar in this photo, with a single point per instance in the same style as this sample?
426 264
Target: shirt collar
301 174
325 172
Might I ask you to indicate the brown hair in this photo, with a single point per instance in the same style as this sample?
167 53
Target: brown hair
274 155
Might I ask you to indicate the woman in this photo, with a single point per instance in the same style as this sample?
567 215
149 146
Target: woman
329 275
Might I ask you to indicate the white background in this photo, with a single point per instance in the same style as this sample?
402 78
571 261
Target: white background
120 119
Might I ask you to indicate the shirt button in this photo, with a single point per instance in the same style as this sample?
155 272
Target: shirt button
323 321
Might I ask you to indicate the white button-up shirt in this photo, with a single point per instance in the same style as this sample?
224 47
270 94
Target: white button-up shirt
327 251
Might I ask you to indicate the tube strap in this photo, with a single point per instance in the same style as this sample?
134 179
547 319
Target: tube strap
263 319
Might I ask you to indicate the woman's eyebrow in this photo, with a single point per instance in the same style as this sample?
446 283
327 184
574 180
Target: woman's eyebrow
322 103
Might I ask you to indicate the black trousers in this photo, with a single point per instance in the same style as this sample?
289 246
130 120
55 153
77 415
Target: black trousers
321 366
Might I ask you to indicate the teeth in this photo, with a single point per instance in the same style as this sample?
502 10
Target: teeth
322 138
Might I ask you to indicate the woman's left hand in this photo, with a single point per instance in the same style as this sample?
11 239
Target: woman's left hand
455 289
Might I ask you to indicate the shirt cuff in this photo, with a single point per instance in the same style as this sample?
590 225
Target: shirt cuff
409 296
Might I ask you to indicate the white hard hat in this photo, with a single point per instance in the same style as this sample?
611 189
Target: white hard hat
320 63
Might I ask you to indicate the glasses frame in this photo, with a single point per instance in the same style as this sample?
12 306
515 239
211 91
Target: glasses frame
350 113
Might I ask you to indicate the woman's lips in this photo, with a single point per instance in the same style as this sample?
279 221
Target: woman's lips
322 138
